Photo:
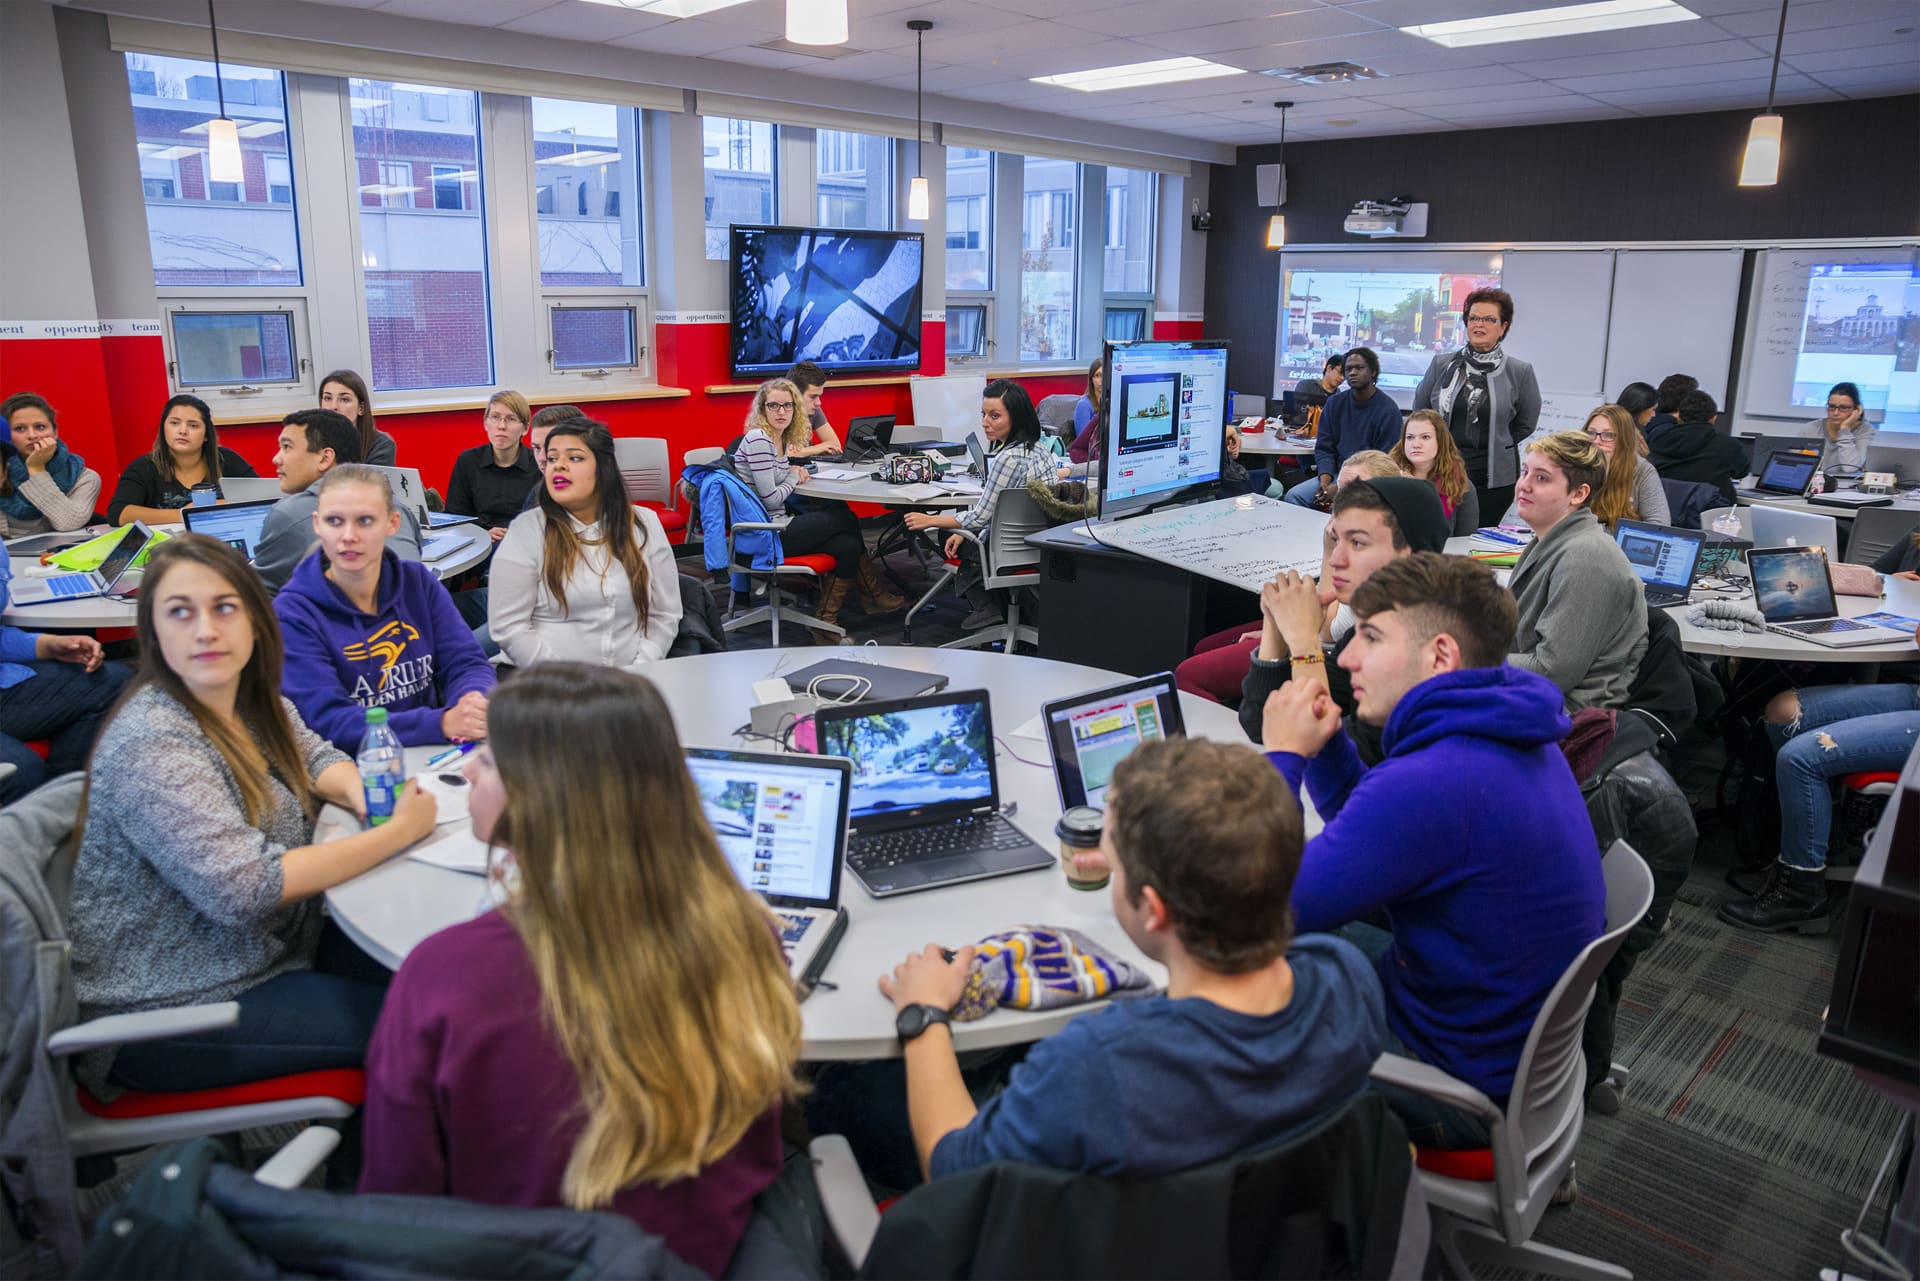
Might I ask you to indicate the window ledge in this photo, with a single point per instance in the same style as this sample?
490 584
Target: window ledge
391 407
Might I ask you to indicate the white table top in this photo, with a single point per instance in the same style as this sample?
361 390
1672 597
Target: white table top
1900 503
1270 443
867 490
393 907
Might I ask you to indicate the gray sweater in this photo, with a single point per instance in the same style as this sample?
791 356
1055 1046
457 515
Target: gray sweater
1583 613
287 537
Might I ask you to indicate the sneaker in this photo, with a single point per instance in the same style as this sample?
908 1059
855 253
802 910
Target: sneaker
982 618
1568 1192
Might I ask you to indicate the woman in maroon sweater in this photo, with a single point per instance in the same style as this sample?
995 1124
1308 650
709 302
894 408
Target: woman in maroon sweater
620 1034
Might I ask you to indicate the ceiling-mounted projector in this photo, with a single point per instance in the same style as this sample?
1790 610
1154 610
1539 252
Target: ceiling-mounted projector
1396 217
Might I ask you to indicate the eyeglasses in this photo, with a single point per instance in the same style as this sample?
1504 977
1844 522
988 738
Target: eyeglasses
501 420
1483 320
774 406
1839 409
1603 435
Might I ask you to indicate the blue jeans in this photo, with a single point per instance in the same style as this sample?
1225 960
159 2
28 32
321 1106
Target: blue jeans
1302 495
63 702
1841 729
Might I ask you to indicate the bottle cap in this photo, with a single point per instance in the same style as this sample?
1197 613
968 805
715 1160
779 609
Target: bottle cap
376 716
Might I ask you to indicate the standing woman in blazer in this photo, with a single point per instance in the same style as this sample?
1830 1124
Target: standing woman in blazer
1491 400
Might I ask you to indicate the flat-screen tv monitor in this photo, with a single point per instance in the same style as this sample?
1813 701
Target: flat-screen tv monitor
1166 422
847 300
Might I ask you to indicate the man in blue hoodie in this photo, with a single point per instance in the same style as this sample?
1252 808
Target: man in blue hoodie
1470 837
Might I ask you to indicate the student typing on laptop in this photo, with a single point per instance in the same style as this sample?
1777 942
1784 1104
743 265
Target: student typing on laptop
312 443
51 687
821 438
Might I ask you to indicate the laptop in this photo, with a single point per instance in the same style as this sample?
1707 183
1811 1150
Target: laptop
238 525
977 453
251 489
782 823
1787 474
1664 557
57 541
408 492
1089 734
440 520
926 797
435 547
1794 592
1761 446
875 427
1784 527
838 679
83 584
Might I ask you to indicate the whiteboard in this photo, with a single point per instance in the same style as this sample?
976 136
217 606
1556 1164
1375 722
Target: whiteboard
1673 312
1242 541
1775 315
951 403
1561 305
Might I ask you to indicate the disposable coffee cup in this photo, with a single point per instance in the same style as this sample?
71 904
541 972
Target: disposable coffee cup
1079 832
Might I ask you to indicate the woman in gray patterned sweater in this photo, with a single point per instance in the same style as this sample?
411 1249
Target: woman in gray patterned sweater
196 878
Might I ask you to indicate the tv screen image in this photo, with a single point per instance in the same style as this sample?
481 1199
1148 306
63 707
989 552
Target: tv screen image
847 300
1169 405
1148 416
1401 316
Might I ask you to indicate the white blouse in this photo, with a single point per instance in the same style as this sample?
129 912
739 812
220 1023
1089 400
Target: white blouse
600 624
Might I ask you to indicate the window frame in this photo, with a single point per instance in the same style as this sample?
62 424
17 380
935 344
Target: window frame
192 300
984 303
633 301
1141 300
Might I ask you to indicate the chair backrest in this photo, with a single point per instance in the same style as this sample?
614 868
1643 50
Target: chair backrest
1687 500
705 456
1056 413
1015 516
1875 529
644 466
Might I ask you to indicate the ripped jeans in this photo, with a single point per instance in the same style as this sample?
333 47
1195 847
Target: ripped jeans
1841 729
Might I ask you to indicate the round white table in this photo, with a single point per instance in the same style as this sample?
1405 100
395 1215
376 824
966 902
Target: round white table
1269 444
393 907
868 490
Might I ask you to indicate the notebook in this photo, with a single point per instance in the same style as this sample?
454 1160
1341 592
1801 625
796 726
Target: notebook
1794 592
87 583
1664 557
782 824
926 798
236 524
1089 734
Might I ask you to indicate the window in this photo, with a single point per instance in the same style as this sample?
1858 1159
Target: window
853 177
970 219
232 347
594 338
1047 260
205 233
968 332
740 177
1126 324
1132 210
425 270
585 156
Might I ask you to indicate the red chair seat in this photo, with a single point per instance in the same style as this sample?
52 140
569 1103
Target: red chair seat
349 1085
671 521
1469 1165
41 747
819 562
1867 778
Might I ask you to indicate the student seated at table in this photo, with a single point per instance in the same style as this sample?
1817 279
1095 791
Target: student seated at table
1235 479
1259 1031
544 421
1696 450
619 1034
820 437
44 486
1426 451
186 455
367 629
1666 407
51 687
1470 837
586 575
1848 434
492 482
1085 447
1359 416
197 878
1639 400
1632 488
1015 457
1902 560
345 393
1313 393
312 443
1583 611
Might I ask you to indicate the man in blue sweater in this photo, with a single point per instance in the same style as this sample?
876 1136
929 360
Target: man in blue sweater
1470 837
1358 417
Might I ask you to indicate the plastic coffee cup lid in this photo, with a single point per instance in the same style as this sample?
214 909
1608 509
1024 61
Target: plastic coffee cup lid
1081 826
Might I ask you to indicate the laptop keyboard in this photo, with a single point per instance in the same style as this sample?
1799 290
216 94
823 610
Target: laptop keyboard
981 835
66 585
1825 626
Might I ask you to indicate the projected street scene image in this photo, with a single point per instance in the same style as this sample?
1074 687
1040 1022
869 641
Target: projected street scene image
1404 316
908 759
1149 409
846 300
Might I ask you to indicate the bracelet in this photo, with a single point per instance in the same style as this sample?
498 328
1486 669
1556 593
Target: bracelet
1307 658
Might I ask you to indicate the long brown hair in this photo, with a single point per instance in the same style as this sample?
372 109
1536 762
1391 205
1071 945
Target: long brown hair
364 423
798 430
615 515
1449 471
1613 501
162 454
659 973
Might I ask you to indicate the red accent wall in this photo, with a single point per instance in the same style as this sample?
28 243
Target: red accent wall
72 374
1179 330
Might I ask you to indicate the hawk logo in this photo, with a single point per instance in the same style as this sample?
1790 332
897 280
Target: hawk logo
387 645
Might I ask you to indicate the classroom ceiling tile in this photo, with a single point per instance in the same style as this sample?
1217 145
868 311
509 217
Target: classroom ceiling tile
1898 54
1713 74
595 23
1677 56
1286 28
1406 13
1815 15
478 13
1858 39
686 37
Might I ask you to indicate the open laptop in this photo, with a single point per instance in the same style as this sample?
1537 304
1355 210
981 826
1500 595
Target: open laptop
1794 592
1089 734
1760 446
782 823
408 492
251 489
1664 557
236 524
875 427
1784 527
1787 473
83 584
926 797
977 453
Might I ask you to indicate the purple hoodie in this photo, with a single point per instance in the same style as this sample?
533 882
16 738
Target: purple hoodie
414 655
1471 835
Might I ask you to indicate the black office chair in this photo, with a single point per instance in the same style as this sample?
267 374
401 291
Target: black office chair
1875 529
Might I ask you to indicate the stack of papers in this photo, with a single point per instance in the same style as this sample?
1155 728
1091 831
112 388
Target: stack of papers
839 473
457 851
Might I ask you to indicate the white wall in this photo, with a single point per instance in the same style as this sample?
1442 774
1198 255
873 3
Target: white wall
44 266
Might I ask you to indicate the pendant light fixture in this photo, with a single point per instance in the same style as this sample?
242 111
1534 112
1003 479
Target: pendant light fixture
817 21
223 136
1277 225
917 189
1760 162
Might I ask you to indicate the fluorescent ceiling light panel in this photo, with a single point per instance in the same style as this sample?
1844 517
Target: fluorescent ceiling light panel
1542 24
1136 74
671 8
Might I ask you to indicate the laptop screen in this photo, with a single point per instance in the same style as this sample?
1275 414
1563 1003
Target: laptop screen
1093 733
236 524
913 754
117 560
780 820
1660 555
1792 584
1788 471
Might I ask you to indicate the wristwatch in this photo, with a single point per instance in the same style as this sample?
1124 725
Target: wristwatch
915 1019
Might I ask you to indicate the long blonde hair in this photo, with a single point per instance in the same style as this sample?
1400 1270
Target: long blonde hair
798 431
1449 473
1614 501
659 973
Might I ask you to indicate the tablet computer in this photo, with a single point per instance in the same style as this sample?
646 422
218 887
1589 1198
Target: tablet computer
1089 734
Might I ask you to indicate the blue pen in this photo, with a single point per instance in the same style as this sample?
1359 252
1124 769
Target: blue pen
434 762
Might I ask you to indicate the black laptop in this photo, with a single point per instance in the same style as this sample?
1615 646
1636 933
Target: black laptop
926 798
1664 557
1787 473
868 438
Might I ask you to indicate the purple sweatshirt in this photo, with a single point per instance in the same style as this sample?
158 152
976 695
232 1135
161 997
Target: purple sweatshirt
414 655
469 1095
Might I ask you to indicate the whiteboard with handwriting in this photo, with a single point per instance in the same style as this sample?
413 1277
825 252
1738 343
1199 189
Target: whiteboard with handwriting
1225 541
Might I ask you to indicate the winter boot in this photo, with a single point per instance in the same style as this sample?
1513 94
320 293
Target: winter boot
833 594
1797 900
872 590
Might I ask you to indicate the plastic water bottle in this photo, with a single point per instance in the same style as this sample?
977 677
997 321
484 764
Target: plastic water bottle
383 766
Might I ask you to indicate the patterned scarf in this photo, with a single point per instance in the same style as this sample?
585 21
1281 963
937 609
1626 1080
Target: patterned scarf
1468 373
65 467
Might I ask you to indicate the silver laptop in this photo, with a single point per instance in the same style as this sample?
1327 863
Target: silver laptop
408 492
236 524
251 489
1785 527
83 584
1664 557
435 547
1794 592
782 823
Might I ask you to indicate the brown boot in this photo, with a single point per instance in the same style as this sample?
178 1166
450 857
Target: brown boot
833 594
873 594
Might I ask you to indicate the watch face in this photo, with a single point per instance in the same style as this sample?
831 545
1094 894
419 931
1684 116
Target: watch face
915 1019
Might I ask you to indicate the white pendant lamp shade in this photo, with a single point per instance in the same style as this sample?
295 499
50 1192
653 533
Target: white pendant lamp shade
917 200
1760 162
817 21
223 151
1277 231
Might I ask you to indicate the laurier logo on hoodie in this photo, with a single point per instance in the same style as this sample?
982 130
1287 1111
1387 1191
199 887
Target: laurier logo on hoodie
400 677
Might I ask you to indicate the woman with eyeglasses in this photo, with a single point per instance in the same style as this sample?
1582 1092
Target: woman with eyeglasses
1491 400
1849 434
492 482
776 422
1632 489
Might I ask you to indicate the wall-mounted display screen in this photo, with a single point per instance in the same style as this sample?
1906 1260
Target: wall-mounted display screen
847 300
